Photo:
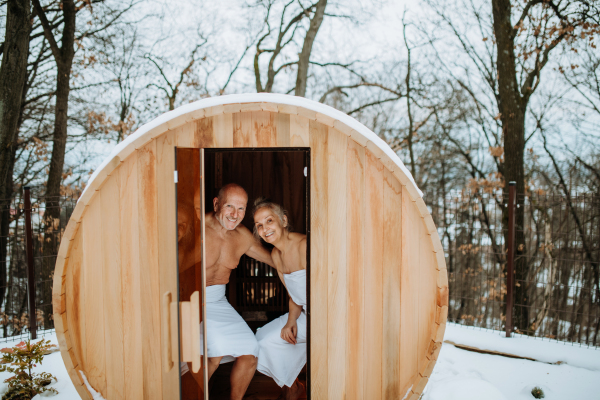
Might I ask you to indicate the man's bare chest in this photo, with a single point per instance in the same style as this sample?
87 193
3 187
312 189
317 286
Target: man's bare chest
222 252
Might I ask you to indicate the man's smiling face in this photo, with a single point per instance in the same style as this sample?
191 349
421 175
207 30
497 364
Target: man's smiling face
230 210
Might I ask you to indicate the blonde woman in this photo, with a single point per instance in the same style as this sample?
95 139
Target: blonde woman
282 342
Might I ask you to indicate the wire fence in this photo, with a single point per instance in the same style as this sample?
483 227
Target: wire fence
49 217
556 294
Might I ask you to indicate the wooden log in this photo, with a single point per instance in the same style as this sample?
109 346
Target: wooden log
148 253
409 296
131 277
112 289
355 290
374 237
93 285
336 256
167 250
392 258
319 183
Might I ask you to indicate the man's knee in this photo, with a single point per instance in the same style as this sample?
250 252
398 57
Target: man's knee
214 361
248 360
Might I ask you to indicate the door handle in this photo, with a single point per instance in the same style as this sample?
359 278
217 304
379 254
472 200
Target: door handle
195 309
167 329
189 331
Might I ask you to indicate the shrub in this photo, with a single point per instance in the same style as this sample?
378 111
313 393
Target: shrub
537 392
19 360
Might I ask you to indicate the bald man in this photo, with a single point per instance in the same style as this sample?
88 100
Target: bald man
228 336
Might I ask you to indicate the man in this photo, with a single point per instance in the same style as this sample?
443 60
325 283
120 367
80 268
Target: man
228 336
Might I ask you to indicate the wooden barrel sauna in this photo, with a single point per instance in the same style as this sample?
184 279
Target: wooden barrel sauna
378 281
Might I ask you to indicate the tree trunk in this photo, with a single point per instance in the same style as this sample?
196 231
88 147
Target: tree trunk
13 74
5 225
309 39
64 60
512 109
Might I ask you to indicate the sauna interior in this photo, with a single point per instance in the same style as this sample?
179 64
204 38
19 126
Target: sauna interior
254 288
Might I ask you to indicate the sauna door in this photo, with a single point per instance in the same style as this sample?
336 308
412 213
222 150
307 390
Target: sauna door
191 272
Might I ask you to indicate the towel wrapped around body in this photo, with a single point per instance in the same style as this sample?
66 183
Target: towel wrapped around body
277 358
228 335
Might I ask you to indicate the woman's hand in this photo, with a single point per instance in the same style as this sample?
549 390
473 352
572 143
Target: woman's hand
289 332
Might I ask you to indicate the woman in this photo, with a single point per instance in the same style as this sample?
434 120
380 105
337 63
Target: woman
282 342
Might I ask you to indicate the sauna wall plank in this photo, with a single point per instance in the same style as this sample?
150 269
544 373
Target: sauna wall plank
409 275
243 133
223 130
130 270
427 296
167 250
263 129
186 135
299 131
113 304
319 180
95 351
336 264
76 299
203 132
148 253
355 290
392 258
282 129
373 272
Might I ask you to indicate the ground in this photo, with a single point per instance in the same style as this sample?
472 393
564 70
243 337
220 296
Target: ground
561 370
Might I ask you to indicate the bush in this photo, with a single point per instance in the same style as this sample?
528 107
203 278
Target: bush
537 392
19 360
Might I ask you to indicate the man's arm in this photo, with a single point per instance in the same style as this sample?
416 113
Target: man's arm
259 253
255 249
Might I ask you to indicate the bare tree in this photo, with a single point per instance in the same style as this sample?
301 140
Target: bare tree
519 40
289 23
309 38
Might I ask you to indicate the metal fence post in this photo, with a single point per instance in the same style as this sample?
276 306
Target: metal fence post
30 267
510 257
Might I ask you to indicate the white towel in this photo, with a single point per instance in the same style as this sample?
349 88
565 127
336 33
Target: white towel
228 335
277 358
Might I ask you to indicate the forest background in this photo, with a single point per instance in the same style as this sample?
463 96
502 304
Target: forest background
471 94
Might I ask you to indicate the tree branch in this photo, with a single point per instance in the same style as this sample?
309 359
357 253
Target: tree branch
47 30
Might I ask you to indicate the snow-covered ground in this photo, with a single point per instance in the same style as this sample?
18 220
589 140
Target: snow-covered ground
563 371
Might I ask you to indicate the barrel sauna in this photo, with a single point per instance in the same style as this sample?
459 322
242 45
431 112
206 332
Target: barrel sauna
378 282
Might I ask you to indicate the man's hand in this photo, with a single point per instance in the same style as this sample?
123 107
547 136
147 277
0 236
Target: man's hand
289 332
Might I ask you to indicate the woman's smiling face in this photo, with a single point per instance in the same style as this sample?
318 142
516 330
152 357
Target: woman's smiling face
268 225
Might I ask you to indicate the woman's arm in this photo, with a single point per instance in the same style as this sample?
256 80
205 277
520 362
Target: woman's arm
290 331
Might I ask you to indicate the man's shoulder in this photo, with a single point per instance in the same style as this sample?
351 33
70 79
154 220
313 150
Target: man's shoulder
243 232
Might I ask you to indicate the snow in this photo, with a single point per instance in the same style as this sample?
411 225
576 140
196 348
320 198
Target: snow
464 389
462 374
95 395
458 374
257 98
524 346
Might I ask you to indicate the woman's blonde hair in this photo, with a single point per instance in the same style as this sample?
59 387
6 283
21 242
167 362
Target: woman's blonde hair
263 202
